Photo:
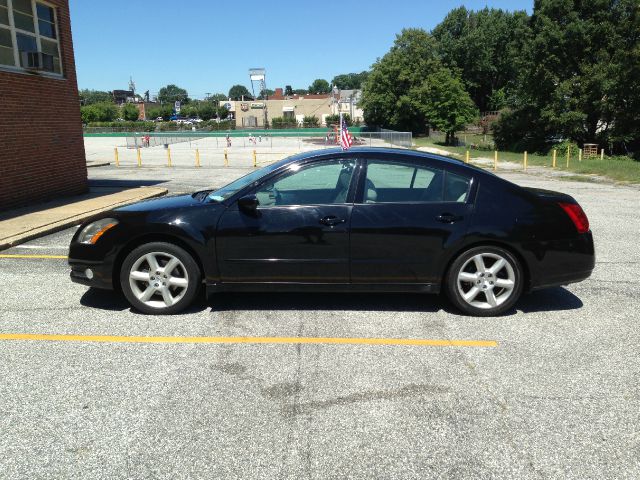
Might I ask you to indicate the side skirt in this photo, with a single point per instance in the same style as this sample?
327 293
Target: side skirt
323 287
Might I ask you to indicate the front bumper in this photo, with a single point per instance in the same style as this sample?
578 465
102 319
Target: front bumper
91 274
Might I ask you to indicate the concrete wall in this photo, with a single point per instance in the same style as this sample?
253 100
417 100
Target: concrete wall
41 146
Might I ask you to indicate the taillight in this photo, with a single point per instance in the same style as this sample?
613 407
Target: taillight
577 216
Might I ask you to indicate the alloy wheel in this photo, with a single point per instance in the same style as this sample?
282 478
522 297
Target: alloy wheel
158 279
486 280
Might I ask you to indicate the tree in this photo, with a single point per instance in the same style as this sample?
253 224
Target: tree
319 85
350 81
300 91
90 97
222 112
172 93
390 92
164 111
99 112
238 91
288 91
217 97
579 80
486 46
129 112
445 103
265 93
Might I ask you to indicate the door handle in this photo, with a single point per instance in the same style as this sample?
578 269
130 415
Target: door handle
448 218
331 220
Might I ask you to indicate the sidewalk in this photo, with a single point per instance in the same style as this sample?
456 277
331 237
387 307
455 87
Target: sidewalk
26 223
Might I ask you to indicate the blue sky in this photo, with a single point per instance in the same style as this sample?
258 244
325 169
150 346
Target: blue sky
207 46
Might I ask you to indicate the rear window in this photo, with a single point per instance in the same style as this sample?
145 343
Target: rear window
456 188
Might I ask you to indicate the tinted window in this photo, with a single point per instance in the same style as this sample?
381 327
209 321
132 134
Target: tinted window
396 182
320 183
456 188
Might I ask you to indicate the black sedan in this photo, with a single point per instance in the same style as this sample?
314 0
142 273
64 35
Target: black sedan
366 219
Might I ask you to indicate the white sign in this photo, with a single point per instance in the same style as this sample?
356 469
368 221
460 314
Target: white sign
177 106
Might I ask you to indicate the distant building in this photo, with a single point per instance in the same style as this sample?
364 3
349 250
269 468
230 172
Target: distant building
42 150
251 113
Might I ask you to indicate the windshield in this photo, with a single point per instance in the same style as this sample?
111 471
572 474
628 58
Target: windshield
237 185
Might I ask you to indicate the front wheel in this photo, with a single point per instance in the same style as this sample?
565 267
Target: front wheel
159 278
484 281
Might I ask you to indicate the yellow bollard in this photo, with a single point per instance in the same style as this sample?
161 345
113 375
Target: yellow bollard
117 157
197 158
525 161
602 154
466 157
139 157
168 156
568 154
579 154
495 160
226 158
255 162
555 153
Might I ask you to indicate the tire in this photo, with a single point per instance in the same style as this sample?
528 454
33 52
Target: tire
484 281
150 288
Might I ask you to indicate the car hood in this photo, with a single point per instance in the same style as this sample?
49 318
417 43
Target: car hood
163 203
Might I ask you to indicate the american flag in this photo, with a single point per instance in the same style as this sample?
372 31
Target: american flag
346 140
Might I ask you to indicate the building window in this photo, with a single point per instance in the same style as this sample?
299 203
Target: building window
29 36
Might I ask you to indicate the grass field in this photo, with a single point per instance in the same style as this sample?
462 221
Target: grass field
620 169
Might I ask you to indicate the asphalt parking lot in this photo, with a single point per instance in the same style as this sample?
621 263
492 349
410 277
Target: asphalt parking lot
556 396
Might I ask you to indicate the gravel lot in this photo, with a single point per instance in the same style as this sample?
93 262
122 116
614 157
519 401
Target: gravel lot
557 398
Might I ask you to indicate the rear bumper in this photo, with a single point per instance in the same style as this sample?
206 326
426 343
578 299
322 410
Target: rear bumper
564 261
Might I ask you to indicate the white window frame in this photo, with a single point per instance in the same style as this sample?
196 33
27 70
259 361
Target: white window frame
17 67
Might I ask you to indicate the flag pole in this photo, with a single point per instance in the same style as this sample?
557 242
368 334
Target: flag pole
340 129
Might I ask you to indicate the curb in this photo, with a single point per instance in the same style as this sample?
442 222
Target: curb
71 221
99 164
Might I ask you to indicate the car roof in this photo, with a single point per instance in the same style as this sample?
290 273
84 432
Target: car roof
357 151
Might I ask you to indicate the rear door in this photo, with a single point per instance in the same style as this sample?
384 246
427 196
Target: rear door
407 213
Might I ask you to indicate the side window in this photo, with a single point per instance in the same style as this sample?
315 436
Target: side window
456 188
396 182
318 184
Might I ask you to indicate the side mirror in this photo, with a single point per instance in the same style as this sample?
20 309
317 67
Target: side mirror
248 203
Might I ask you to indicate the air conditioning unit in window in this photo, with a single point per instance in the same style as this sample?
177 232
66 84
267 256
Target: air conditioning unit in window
37 61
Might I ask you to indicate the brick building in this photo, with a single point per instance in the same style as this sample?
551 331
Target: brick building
41 145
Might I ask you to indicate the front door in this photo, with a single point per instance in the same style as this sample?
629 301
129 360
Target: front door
407 215
300 231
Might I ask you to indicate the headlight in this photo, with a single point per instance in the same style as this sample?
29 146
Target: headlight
92 232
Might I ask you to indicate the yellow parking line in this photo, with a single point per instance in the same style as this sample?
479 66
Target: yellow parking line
32 256
273 340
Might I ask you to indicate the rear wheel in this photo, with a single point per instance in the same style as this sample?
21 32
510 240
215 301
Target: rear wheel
159 278
484 281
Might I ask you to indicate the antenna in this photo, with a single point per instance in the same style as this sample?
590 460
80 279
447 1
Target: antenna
132 86
258 76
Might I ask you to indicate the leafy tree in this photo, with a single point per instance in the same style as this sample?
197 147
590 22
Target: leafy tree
217 97
319 85
394 85
288 91
238 91
300 91
90 97
206 110
164 111
222 112
266 93
579 81
129 112
99 112
486 46
350 81
172 93
445 103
